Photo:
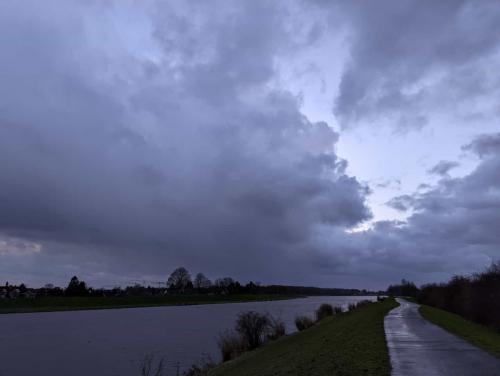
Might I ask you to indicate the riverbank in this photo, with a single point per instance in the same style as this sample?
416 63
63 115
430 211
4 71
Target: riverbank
52 304
478 335
352 343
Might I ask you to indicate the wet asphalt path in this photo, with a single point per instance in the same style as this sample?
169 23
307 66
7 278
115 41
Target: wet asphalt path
419 348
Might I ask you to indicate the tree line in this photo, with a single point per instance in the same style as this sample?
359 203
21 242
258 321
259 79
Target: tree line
476 297
178 282
406 288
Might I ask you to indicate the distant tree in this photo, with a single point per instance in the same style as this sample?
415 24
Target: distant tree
76 288
406 288
179 280
136 290
227 285
251 287
201 282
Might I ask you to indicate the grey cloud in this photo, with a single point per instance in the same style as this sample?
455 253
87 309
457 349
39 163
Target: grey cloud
485 145
410 56
389 183
127 151
454 226
122 161
442 168
401 203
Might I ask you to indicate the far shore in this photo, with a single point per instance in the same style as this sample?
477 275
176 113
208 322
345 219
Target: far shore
55 304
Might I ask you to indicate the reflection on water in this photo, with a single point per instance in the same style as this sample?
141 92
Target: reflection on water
114 342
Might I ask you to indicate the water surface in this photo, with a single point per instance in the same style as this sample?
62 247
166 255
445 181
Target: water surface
114 342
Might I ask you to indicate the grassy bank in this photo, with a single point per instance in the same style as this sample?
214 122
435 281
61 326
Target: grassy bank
410 299
478 335
349 344
50 304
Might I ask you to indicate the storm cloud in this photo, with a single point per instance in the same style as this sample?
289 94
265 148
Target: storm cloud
136 137
453 225
414 59
175 153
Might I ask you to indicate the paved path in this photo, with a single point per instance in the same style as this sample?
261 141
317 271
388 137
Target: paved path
419 348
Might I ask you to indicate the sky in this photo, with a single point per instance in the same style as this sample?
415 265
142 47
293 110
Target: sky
326 143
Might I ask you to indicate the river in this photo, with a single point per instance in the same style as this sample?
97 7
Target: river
115 342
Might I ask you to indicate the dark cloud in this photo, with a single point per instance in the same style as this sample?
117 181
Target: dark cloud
139 136
401 203
133 159
442 168
412 56
454 225
485 145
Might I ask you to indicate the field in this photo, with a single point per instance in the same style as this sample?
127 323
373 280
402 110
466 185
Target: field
478 335
349 344
48 304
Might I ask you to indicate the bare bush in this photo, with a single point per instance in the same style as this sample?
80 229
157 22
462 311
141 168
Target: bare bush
149 368
251 331
201 369
337 310
323 311
252 327
276 328
363 303
230 345
303 322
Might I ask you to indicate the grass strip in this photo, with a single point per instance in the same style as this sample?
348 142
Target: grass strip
352 343
479 335
50 304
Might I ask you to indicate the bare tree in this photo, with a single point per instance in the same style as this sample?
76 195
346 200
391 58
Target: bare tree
201 282
180 279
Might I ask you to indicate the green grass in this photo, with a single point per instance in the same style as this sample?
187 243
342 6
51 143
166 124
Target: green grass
479 335
49 304
350 344
410 299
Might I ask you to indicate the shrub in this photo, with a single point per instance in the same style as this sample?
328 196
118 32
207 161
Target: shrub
303 322
149 368
252 327
323 311
276 328
230 345
201 369
363 303
337 310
